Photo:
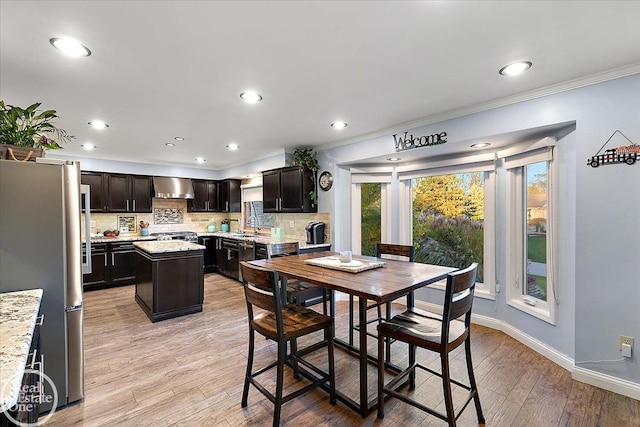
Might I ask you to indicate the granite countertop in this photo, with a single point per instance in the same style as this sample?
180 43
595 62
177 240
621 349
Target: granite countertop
125 238
262 238
163 246
18 314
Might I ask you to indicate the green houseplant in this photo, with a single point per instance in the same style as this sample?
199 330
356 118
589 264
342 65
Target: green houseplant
31 128
307 158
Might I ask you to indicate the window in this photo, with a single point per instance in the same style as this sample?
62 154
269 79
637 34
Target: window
371 217
534 227
530 234
254 216
449 219
371 211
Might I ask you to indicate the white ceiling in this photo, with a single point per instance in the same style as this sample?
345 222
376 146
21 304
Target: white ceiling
161 69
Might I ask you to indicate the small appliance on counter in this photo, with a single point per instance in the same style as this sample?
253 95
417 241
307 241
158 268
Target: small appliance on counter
315 233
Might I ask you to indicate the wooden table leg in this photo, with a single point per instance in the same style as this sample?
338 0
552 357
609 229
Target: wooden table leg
364 395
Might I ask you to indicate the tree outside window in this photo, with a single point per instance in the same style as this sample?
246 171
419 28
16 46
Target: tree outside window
448 220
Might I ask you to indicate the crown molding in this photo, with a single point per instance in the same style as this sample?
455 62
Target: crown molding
592 79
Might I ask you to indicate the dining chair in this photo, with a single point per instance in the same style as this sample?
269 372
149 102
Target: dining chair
440 334
282 324
385 250
301 293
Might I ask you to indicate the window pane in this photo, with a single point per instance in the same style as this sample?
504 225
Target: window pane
448 220
536 230
254 213
371 230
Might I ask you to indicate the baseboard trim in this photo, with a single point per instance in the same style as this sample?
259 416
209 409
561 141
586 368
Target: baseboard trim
597 379
607 382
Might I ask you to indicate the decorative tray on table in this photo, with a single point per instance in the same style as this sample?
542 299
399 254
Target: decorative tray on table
355 266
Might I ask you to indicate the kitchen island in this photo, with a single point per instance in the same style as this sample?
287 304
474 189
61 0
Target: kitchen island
19 336
169 278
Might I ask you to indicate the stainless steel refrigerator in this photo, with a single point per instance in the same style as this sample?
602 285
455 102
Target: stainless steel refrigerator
41 247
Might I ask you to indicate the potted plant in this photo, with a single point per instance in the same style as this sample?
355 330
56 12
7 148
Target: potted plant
307 159
28 132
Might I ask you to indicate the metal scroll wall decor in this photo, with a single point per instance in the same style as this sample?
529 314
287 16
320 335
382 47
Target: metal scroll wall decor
408 142
628 154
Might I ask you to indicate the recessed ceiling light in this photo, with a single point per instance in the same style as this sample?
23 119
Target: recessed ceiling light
179 138
70 47
170 144
251 97
233 146
88 146
339 125
394 159
98 124
201 159
515 68
480 145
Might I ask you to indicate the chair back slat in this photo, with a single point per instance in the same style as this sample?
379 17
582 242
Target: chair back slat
260 287
282 249
458 299
396 250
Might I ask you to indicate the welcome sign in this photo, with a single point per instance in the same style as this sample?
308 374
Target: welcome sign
408 142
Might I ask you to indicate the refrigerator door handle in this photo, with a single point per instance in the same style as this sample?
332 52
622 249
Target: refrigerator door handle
85 193
73 308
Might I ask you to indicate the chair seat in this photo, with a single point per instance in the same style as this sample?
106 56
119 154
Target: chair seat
297 321
422 328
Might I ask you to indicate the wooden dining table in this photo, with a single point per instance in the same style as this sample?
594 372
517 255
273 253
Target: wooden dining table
393 280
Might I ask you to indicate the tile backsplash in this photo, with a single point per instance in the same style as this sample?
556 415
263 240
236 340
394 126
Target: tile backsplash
293 224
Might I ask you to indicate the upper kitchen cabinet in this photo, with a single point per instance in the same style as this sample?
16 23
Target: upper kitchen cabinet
119 193
205 196
98 188
129 193
288 190
230 195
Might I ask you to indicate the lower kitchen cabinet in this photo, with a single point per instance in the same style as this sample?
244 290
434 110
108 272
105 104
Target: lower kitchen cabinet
99 266
210 253
123 263
228 264
112 264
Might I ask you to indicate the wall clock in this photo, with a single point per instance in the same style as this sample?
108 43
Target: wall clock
325 180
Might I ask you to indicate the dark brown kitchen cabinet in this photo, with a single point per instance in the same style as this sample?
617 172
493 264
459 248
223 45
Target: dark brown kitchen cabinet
112 264
288 190
98 188
228 263
99 264
230 195
129 193
141 193
206 196
123 263
118 192
210 243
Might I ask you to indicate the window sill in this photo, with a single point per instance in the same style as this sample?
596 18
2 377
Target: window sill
541 312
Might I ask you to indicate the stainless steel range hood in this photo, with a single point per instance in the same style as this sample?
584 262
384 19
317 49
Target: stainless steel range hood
173 188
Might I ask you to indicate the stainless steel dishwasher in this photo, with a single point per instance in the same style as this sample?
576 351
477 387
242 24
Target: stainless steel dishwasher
246 251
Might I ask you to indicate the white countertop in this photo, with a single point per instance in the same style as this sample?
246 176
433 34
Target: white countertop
18 314
163 246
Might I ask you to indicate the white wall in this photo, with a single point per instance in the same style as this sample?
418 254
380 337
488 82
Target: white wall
114 166
599 221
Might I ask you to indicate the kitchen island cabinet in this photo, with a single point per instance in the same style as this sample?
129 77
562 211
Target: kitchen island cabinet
169 278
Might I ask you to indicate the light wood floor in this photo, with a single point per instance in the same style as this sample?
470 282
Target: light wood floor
189 372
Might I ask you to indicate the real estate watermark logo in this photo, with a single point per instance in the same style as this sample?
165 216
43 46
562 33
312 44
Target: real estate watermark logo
30 397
